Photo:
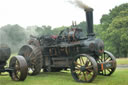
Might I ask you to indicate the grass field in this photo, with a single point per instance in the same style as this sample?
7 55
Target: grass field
119 77
122 61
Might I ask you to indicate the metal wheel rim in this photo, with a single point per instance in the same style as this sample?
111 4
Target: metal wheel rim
19 64
105 57
85 72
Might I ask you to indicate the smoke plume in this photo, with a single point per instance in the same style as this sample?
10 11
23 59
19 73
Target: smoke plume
81 5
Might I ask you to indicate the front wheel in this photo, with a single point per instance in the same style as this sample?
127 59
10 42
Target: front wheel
84 68
19 68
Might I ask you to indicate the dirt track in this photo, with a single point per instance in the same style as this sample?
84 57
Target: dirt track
122 66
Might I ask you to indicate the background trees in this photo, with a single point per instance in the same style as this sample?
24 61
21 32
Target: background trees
13 35
114 28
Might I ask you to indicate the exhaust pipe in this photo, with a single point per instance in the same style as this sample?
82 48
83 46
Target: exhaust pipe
89 20
89 15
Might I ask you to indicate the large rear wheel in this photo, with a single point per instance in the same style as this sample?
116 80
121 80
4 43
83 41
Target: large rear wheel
33 56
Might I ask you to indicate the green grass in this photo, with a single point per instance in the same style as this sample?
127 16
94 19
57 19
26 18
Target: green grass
119 77
121 61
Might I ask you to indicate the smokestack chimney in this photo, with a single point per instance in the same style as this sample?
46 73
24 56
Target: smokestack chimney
89 20
89 15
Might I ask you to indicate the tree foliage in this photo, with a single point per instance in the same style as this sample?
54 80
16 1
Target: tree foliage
115 30
44 30
13 35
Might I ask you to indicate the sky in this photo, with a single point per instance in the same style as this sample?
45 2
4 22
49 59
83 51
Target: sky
55 13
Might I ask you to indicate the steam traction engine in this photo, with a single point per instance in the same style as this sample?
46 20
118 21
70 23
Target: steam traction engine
17 66
85 56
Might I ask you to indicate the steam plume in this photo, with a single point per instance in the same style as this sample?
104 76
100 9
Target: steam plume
81 5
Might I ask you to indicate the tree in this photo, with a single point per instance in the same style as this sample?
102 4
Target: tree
3 37
83 26
57 30
108 18
16 36
44 30
117 33
115 30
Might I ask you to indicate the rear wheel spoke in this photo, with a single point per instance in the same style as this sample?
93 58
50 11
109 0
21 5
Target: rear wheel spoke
84 76
82 60
80 77
109 70
77 64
